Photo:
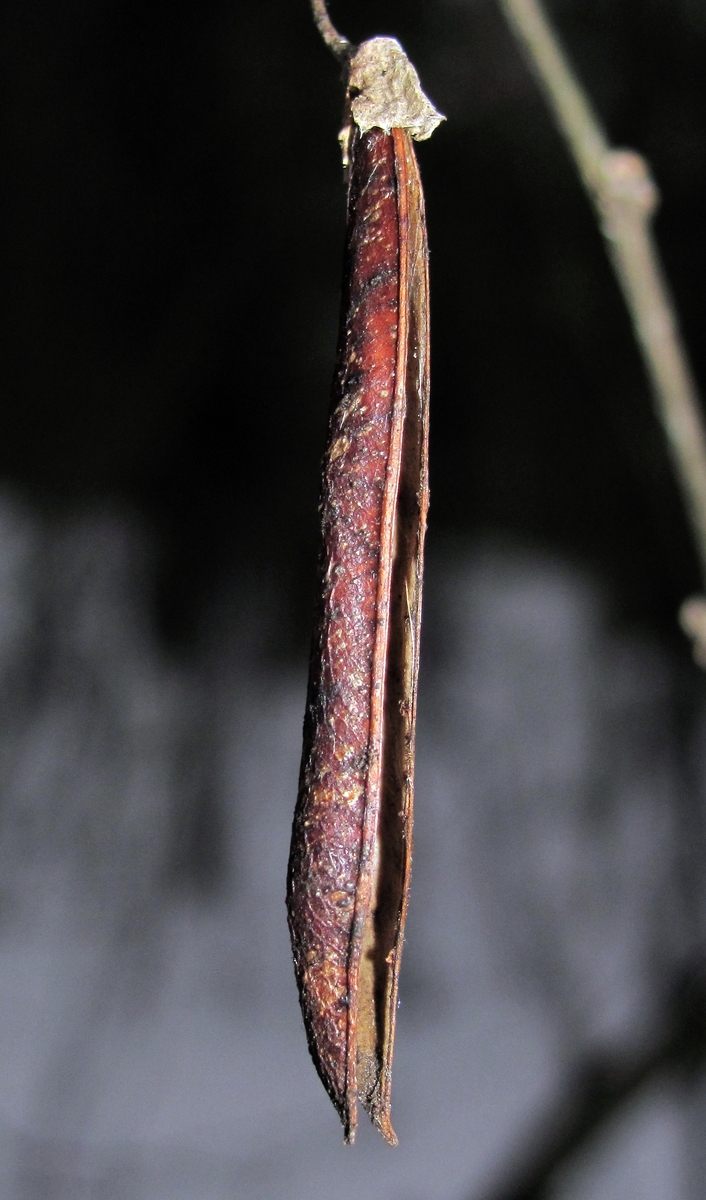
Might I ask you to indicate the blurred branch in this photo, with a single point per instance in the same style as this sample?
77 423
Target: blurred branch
339 45
625 198
599 1086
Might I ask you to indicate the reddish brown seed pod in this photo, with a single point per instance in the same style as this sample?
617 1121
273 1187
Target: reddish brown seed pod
350 858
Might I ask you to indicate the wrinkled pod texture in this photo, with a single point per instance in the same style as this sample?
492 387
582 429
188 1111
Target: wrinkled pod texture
350 858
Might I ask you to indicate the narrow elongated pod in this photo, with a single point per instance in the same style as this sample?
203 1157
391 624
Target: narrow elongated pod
351 847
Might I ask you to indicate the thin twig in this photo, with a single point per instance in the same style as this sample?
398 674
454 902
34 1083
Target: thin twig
340 46
625 197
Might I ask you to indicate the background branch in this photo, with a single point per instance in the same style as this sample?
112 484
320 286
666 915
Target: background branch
625 197
599 1086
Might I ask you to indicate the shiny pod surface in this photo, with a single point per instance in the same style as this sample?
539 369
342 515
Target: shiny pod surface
351 841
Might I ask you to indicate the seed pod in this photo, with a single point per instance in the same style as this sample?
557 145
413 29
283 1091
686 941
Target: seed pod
350 858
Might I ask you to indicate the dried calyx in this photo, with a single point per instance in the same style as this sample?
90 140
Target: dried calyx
384 92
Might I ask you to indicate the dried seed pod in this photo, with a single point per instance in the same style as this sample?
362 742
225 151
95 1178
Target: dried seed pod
350 858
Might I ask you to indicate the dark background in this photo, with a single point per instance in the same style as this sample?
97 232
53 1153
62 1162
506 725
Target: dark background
171 240
172 229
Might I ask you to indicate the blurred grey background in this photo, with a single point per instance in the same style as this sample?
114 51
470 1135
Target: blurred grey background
171 235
